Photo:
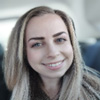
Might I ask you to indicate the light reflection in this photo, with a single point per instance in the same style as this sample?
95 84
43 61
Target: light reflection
5 30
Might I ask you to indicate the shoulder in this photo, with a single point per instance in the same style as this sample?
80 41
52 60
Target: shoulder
91 83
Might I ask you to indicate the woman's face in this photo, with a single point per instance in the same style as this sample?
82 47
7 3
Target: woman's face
48 47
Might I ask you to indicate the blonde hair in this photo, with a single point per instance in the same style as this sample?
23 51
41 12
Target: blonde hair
16 70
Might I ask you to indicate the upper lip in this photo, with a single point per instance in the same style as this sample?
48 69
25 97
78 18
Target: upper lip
52 62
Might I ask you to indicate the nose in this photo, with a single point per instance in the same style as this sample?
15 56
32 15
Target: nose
52 51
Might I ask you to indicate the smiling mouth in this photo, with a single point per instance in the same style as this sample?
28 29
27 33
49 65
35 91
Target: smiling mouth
54 65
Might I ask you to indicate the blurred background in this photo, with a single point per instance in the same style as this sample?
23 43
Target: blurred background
85 14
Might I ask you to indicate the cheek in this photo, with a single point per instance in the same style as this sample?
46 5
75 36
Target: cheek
34 57
68 51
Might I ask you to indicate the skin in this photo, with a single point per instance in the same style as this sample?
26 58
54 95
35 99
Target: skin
47 42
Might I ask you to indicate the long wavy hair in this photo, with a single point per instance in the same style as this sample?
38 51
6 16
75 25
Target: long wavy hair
16 70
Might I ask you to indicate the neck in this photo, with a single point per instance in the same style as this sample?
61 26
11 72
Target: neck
51 87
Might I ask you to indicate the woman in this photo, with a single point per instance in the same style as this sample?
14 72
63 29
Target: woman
43 60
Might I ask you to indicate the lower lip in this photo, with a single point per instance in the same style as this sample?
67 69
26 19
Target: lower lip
56 67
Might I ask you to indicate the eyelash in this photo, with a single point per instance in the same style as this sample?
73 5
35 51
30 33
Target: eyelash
58 40
37 45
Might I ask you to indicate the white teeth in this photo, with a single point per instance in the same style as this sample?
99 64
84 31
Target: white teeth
54 65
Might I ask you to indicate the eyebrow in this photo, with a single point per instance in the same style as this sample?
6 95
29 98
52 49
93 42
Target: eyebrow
42 38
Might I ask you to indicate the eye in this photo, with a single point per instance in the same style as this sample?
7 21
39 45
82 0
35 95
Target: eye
60 40
37 45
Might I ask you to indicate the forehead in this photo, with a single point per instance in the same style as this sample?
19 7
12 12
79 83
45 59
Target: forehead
48 23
